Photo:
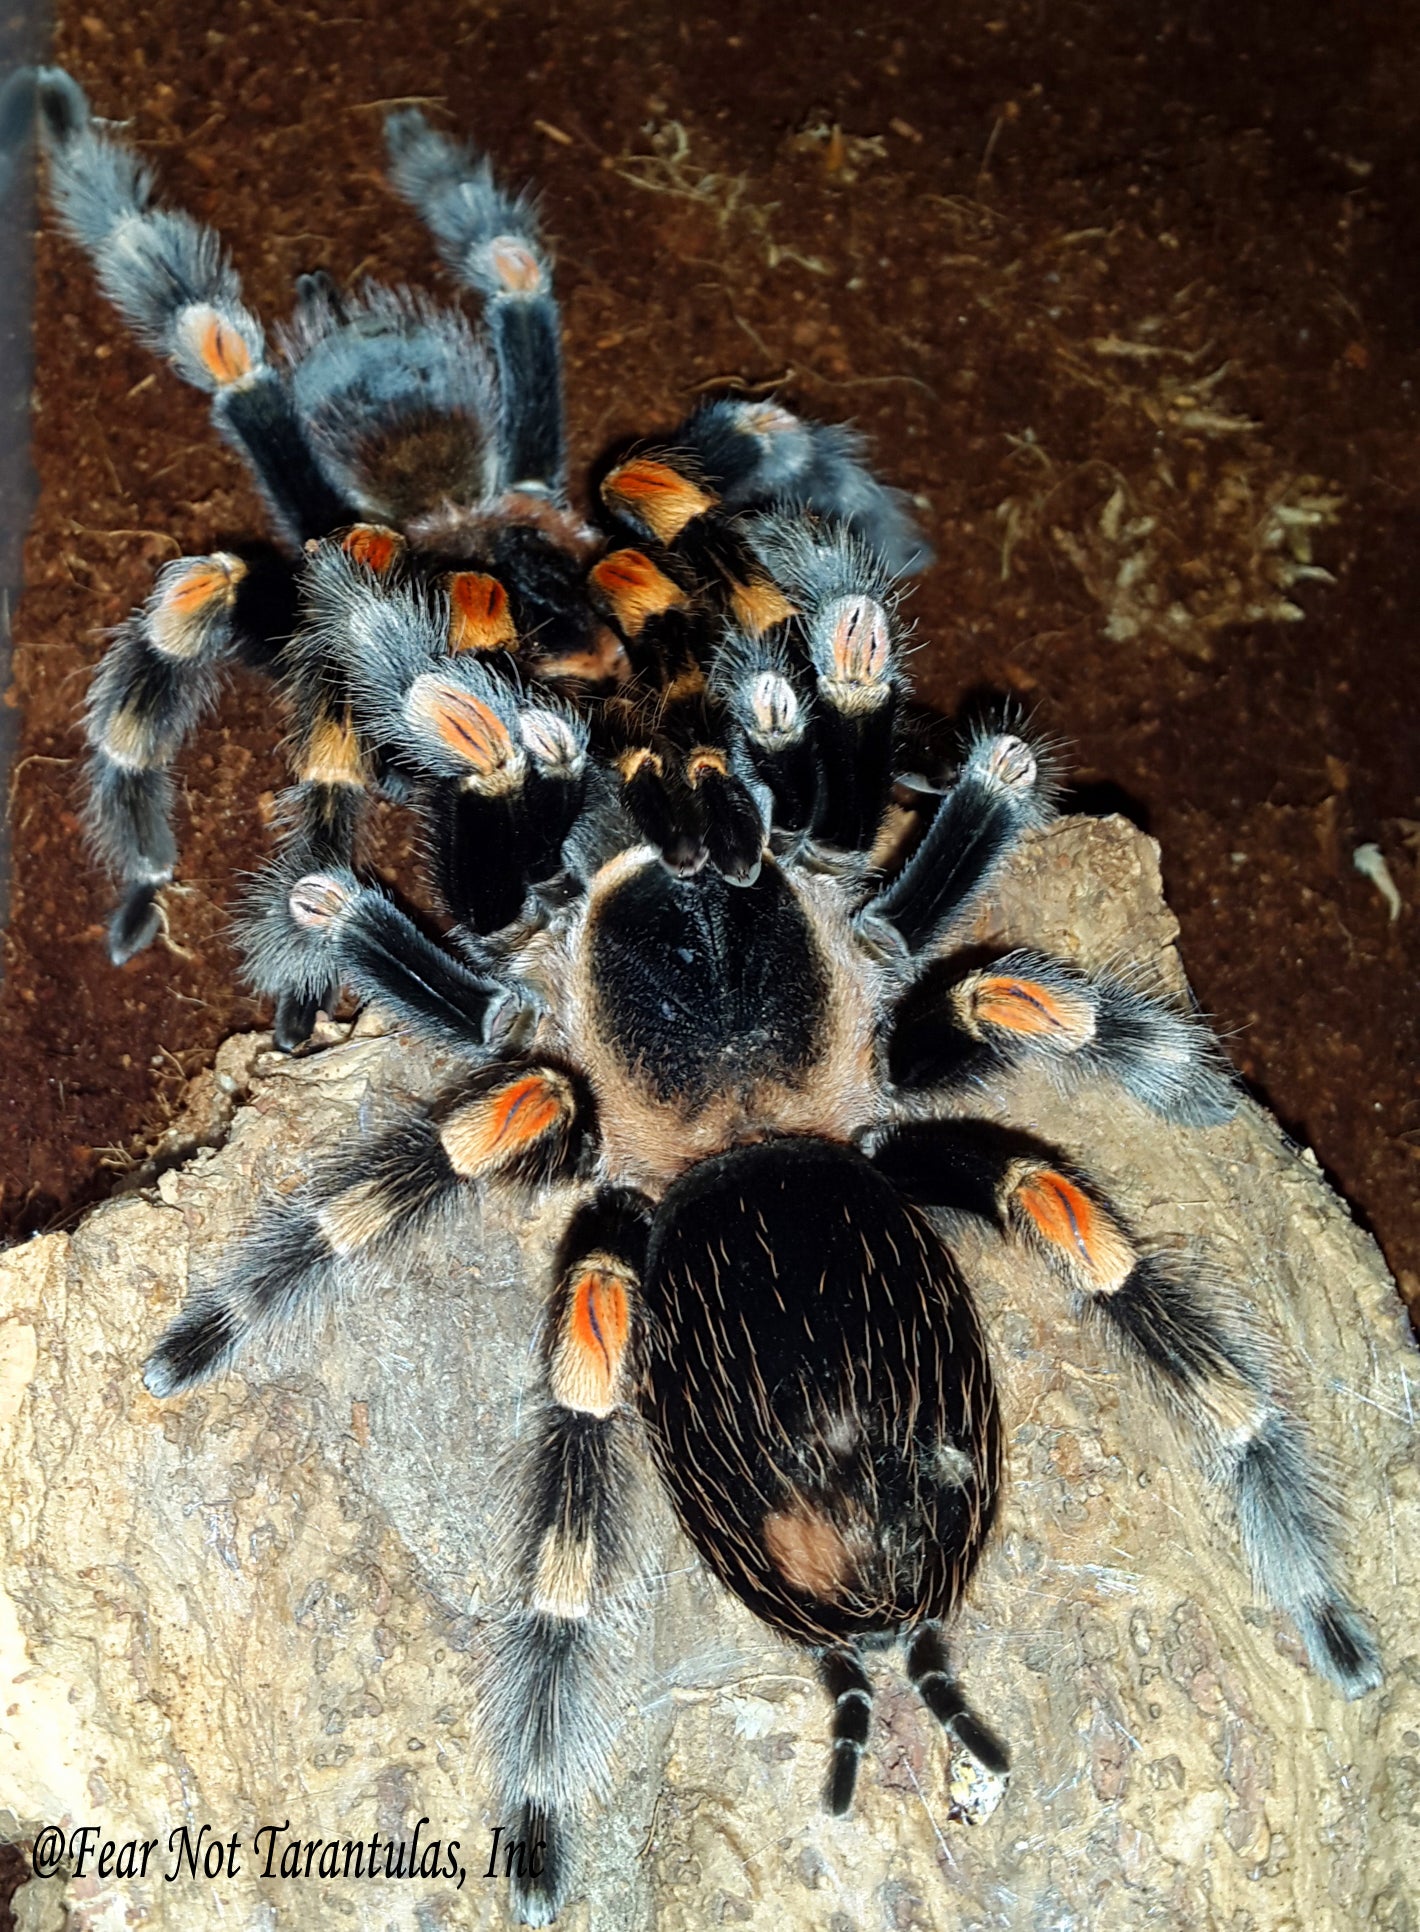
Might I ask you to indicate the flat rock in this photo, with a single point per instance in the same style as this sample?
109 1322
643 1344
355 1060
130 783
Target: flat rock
262 1604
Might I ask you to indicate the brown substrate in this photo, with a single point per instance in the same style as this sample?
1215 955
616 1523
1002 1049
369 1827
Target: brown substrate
1129 306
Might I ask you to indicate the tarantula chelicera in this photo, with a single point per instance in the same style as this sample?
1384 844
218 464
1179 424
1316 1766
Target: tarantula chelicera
654 768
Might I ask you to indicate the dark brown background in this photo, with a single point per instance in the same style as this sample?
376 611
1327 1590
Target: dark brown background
1037 235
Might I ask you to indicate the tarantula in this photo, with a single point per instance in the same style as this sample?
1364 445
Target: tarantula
440 467
655 771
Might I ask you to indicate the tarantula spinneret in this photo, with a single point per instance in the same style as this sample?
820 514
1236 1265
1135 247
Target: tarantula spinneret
654 768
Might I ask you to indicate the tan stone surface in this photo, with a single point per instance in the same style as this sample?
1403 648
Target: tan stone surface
264 1601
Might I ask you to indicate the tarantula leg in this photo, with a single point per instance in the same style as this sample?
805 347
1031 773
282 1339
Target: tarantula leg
518 1120
285 959
1210 1371
679 784
753 454
662 495
752 676
555 788
649 609
662 808
1000 793
158 677
379 952
857 713
929 1668
678 778
658 499
500 826
490 241
694 809
480 617
951 1030
848 616
505 778
172 282
332 785
553 1671
850 1687
663 500
734 829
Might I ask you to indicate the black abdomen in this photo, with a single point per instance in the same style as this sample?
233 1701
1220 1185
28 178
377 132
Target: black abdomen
818 1391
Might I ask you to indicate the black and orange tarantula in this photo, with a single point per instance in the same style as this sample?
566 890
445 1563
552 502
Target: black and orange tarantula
654 767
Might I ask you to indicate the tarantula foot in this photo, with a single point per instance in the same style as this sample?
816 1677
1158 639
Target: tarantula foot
1005 761
539 1877
135 922
1341 1646
296 1017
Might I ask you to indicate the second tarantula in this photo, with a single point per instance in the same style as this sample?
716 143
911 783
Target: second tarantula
392 437
654 777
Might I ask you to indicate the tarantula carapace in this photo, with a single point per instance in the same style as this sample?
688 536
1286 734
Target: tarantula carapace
655 770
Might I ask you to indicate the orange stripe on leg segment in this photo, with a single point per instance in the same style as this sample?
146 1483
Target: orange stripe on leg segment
471 729
192 597
511 1119
634 589
586 1364
221 349
1076 1229
657 497
209 580
479 615
1029 1006
374 545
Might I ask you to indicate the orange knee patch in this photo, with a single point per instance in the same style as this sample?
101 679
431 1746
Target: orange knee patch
512 1119
219 347
1028 1006
206 581
586 1370
1076 1228
631 587
189 599
479 615
373 545
470 728
516 268
656 497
